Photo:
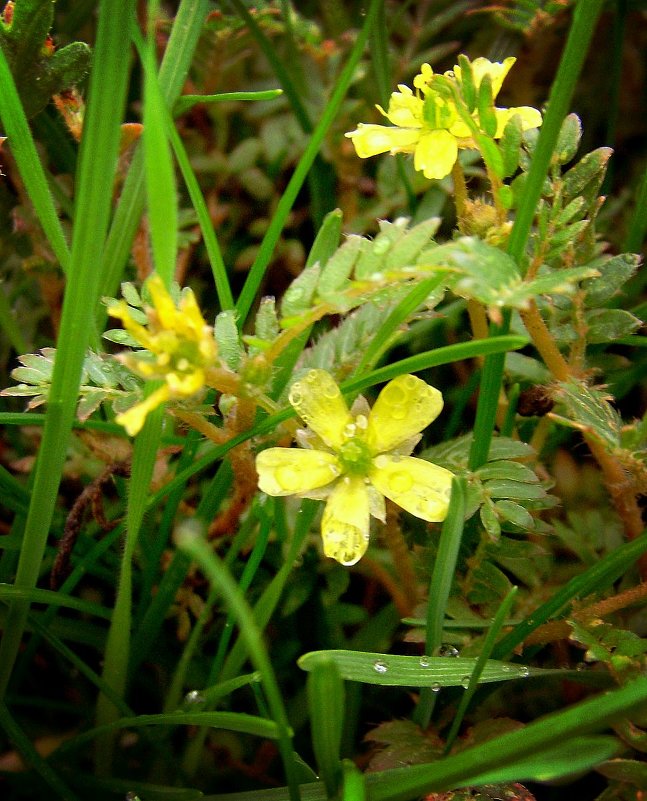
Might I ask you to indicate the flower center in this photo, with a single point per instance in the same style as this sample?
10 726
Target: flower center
355 456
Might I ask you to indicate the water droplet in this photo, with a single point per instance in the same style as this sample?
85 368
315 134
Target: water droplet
506 668
380 666
381 461
425 661
400 482
295 396
361 421
465 681
194 697
524 671
435 687
287 477
448 650
350 429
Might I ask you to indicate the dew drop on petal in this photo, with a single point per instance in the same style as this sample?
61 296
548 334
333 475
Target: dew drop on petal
361 421
447 650
400 482
381 461
295 396
380 667
287 477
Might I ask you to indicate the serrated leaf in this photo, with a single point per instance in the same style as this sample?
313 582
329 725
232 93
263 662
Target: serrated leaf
339 267
227 336
372 258
413 671
590 409
613 275
605 325
411 244
298 296
591 168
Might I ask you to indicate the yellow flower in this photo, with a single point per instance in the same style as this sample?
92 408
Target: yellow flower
429 125
178 348
355 458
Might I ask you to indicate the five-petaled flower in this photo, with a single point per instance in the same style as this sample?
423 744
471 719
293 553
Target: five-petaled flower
178 347
355 458
430 126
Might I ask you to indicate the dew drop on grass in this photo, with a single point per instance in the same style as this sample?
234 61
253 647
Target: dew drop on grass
524 671
435 687
194 697
425 661
380 666
465 682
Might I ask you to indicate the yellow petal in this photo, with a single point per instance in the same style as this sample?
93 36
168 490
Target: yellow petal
405 109
185 384
133 419
483 66
317 400
162 301
419 487
530 118
290 471
435 154
404 407
369 140
345 522
121 311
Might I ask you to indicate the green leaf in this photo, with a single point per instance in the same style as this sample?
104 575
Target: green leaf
501 488
510 145
613 274
467 82
590 169
568 140
226 333
338 268
507 470
605 325
298 297
625 770
589 408
414 671
516 514
485 104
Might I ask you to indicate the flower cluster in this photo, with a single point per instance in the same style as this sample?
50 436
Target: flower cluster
430 125
355 458
178 348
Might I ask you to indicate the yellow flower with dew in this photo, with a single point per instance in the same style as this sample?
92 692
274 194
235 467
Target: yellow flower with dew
178 347
429 124
355 458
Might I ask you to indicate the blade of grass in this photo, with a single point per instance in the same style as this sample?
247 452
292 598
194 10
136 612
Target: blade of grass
161 192
486 650
94 182
594 579
32 758
196 547
440 586
172 74
29 166
117 651
284 205
326 705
